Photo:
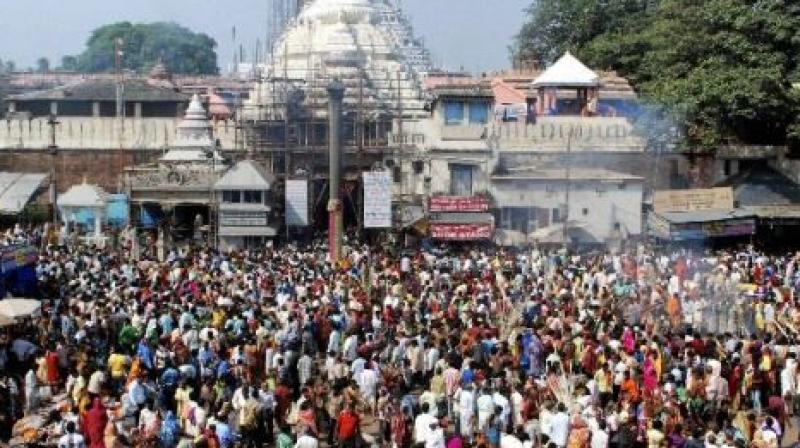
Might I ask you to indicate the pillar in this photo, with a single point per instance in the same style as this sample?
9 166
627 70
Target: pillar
98 222
137 110
335 96
96 109
54 108
12 106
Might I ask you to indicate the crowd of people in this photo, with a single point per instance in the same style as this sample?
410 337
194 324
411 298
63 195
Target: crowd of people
439 347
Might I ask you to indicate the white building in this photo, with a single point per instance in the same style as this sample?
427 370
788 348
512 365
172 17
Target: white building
243 196
598 205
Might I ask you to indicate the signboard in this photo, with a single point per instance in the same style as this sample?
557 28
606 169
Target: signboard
441 204
462 232
377 199
715 229
242 218
297 202
691 200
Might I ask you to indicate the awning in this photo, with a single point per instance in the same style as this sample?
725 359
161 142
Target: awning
18 308
16 189
247 231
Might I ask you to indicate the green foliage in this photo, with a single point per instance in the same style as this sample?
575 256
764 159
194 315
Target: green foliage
722 67
69 63
144 43
42 65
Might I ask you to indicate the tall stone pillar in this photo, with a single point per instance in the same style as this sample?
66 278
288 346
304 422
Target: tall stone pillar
335 96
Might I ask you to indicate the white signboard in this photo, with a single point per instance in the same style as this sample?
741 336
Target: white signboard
377 199
297 203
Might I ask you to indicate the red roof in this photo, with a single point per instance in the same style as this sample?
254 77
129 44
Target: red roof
505 93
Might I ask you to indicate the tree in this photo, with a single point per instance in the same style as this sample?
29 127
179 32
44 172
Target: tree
69 63
144 43
722 67
42 65
11 67
555 26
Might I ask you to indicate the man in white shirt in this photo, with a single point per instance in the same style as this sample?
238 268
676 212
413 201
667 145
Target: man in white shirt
435 437
422 424
71 439
307 440
600 436
559 426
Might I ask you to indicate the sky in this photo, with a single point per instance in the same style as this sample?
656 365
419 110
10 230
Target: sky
473 34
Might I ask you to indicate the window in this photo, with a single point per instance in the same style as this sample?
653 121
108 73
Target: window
453 113
727 168
252 197
397 174
232 197
478 113
585 211
556 212
461 180
419 166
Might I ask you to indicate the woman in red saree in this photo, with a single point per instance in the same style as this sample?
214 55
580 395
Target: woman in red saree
95 425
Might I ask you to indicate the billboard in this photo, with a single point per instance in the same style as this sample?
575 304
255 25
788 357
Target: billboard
443 204
377 200
668 201
297 202
462 232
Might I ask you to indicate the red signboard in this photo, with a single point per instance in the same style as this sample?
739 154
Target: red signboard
462 232
441 204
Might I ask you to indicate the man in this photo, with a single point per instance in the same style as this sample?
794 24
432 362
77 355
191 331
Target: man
307 440
559 426
435 437
465 399
422 424
600 435
249 416
71 439
347 426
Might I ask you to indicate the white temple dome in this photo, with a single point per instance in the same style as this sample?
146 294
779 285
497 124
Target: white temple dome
345 39
339 11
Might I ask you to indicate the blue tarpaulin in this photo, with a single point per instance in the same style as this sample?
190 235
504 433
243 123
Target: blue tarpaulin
149 216
18 270
117 210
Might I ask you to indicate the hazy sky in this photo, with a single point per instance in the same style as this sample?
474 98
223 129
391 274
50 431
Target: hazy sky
474 34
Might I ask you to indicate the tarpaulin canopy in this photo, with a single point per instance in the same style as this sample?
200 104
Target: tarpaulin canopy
15 308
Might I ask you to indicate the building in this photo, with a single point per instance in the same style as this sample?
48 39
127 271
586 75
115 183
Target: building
581 206
243 201
488 138
175 195
97 98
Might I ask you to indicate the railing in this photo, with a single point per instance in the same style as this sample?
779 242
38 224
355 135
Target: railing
554 133
100 133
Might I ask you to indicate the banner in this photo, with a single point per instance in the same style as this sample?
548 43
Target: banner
442 204
297 203
377 200
691 200
462 232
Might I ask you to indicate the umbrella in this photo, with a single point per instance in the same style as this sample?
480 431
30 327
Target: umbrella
15 308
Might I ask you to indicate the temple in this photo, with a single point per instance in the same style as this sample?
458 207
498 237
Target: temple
365 43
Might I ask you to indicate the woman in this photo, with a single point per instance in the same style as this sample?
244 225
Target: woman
650 374
307 418
95 425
